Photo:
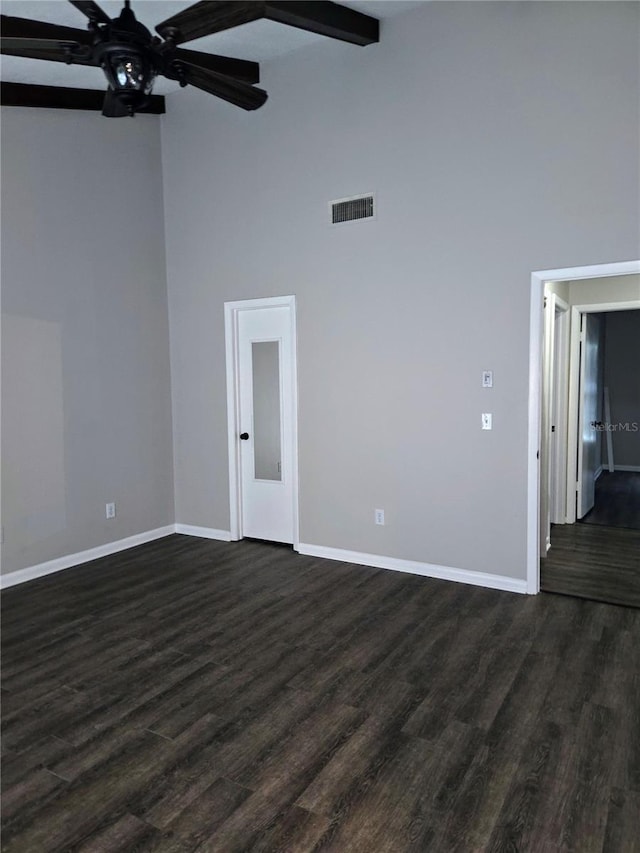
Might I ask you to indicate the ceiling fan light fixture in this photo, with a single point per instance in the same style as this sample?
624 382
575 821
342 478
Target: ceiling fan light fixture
128 70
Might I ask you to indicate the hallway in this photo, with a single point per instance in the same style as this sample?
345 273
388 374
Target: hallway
617 500
593 561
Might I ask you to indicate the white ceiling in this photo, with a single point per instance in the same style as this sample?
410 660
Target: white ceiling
259 41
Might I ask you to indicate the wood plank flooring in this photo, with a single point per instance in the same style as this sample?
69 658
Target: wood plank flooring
191 695
617 501
592 561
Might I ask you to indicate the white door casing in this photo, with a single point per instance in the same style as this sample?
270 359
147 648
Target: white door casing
545 419
554 417
261 347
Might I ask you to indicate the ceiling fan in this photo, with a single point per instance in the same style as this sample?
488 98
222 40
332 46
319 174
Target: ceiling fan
131 57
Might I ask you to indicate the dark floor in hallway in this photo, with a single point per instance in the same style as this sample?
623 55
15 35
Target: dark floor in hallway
592 561
617 500
198 695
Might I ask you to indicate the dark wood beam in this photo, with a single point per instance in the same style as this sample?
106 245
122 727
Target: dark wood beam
60 97
324 18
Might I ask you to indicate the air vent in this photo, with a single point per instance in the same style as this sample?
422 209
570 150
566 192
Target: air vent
351 209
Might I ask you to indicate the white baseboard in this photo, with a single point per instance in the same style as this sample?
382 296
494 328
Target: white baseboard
635 468
203 532
599 471
429 570
48 568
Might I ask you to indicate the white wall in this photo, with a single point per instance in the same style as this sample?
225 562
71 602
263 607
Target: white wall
500 138
560 288
86 408
614 288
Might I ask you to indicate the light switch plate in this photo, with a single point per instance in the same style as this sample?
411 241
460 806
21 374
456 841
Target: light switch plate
487 378
487 421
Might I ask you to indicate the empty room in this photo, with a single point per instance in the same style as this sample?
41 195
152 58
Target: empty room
277 468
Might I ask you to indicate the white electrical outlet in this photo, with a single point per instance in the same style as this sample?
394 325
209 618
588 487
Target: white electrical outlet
379 516
110 510
487 421
487 378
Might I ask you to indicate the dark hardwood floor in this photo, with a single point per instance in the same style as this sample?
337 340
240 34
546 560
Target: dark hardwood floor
617 500
592 561
197 695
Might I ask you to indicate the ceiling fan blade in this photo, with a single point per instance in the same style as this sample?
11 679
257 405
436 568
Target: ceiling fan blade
92 11
52 51
112 107
241 69
36 44
229 89
207 17
25 28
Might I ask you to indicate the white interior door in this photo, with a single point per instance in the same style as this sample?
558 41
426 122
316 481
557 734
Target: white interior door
265 427
588 413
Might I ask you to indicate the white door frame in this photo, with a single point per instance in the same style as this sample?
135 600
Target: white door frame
538 280
554 413
232 311
548 329
560 406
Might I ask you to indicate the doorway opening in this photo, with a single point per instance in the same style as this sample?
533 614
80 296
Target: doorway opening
548 404
612 492
260 338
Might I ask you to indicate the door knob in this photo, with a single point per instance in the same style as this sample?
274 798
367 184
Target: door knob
244 436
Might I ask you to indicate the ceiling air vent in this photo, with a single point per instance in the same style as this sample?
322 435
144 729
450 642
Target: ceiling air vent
351 209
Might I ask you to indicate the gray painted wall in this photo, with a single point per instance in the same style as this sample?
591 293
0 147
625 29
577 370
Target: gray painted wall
500 138
86 408
622 376
448 120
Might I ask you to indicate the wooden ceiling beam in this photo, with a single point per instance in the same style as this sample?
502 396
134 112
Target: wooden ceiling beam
324 18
